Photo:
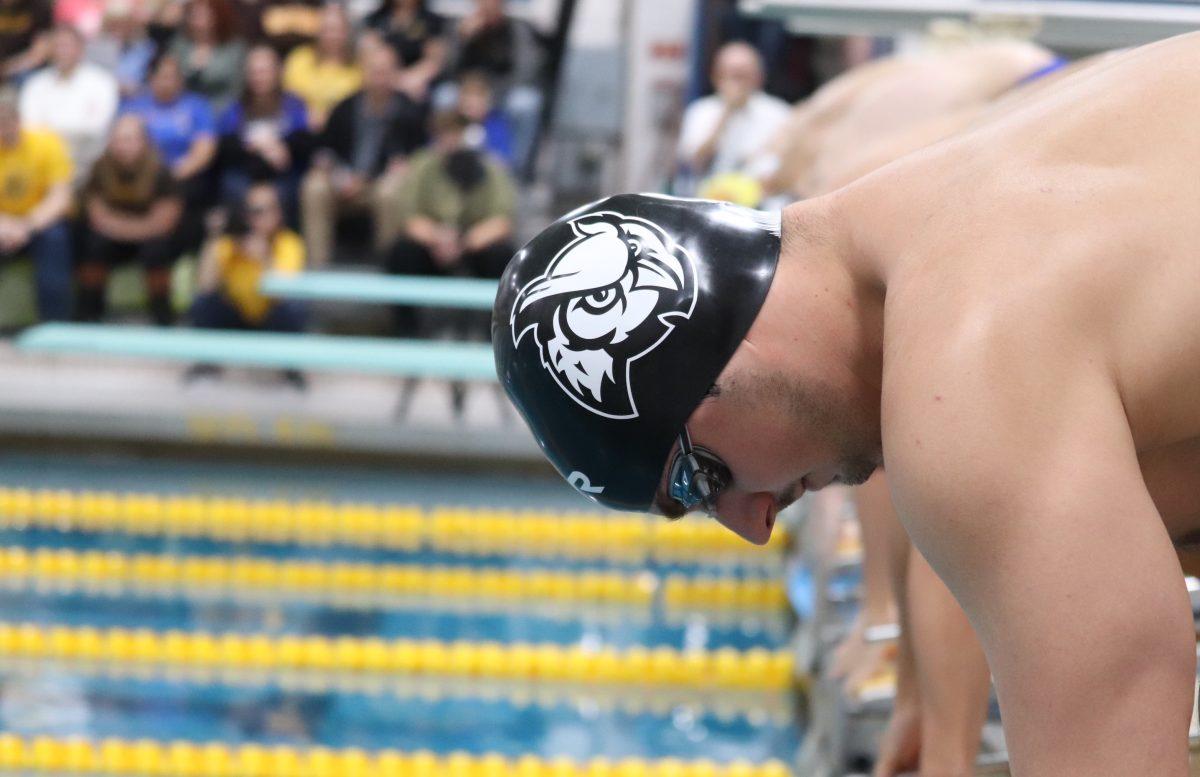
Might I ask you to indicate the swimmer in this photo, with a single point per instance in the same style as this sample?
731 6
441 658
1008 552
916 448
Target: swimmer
942 685
942 679
905 100
1006 318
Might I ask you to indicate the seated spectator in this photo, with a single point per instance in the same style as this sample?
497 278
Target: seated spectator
361 10
288 24
75 99
123 47
164 21
249 20
35 196
253 241
264 135
490 130
208 51
360 158
457 206
326 72
508 52
182 128
24 45
721 132
131 206
416 35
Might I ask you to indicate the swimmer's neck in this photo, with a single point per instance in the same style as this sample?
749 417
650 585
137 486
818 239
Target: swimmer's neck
873 226
830 282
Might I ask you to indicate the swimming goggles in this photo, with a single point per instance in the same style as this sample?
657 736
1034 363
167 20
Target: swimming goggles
697 477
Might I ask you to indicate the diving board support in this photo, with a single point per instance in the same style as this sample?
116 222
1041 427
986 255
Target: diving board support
462 293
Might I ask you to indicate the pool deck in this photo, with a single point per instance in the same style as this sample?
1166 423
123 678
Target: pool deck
131 399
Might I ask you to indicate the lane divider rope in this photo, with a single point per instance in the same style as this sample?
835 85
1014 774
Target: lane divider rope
148 758
248 577
472 531
754 670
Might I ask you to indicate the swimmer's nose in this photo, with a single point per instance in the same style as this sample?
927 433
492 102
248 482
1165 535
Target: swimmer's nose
750 516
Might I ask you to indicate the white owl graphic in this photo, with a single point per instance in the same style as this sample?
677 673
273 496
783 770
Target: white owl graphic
606 299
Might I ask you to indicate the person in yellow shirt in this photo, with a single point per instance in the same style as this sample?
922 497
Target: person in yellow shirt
326 72
35 195
253 241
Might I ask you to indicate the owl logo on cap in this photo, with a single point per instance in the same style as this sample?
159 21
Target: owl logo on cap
607 298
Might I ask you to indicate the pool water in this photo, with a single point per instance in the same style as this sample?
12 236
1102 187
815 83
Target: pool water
493 710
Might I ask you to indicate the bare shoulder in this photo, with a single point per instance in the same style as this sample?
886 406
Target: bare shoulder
986 403
1012 467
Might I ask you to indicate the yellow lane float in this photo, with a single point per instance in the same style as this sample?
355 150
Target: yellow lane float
472 531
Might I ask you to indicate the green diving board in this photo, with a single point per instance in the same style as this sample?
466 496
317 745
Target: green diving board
405 358
464 293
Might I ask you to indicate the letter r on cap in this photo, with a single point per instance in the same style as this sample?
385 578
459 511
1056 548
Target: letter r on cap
583 483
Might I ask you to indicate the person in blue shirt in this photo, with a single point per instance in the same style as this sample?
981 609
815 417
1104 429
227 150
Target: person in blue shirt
123 47
181 126
264 135
490 129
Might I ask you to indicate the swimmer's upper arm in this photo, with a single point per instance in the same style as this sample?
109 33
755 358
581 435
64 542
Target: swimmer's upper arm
1020 483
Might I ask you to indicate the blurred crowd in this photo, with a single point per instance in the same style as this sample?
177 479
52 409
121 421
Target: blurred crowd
243 136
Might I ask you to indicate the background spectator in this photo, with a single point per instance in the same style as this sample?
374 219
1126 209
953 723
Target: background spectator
458 206
208 51
75 99
254 241
249 20
123 47
326 72
182 128
287 24
264 135
721 132
164 20
489 128
360 158
35 195
23 43
131 206
361 10
415 34
508 52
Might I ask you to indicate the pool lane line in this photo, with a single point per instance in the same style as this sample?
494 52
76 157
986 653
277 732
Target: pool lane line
46 756
471 531
724 669
754 684
259 579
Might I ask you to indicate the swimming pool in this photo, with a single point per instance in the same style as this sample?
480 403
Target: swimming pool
231 617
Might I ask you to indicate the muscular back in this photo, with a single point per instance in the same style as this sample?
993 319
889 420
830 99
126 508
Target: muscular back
1081 209
1040 412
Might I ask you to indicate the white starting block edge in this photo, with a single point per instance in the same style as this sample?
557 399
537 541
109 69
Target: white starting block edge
1075 24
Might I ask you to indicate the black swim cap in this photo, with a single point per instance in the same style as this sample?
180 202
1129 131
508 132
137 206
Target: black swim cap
611 325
